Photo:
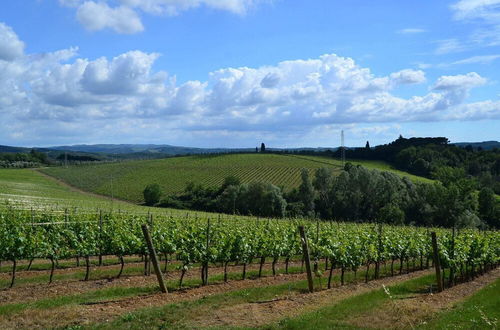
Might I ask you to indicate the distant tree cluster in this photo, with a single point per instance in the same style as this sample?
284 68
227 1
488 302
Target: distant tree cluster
360 194
233 197
33 158
435 158
357 194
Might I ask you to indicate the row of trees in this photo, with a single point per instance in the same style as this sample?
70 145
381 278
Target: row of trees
360 194
429 157
28 159
233 197
357 194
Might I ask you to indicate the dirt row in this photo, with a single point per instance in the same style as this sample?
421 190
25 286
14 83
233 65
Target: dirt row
421 307
407 312
252 314
35 291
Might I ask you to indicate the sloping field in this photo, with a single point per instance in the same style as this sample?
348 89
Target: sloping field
127 180
27 188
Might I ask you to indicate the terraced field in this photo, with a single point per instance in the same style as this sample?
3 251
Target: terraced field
127 180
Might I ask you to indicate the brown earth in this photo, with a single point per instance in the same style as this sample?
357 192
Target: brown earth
36 291
415 310
258 313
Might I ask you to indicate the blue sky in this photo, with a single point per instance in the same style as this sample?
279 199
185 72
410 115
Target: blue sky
234 73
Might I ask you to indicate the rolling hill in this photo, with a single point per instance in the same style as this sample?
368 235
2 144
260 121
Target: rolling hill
126 180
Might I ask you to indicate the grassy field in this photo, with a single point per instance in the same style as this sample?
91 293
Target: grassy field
27 188
127 180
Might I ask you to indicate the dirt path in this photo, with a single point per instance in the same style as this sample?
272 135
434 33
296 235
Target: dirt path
415 310
36 291
258 314
84 314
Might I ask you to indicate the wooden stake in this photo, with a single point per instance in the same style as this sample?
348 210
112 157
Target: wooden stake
153 257
307 258
437 263
100 237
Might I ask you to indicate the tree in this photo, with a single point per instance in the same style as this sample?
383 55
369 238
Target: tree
230 181
487 205
391 214
367 146
152 194
306 193
323 180
262 147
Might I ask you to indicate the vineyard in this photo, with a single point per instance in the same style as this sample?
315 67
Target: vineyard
90 262
127 180
38 235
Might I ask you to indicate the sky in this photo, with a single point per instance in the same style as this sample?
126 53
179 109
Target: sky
235 73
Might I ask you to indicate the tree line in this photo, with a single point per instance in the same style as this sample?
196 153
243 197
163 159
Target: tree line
358 194
33 158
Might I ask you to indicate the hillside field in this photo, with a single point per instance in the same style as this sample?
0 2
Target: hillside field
30 189
126 180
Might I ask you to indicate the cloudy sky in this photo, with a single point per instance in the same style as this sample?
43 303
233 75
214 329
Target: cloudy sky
234 73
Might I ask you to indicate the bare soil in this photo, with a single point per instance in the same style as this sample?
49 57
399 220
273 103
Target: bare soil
36 291
257 313
415 310
105 311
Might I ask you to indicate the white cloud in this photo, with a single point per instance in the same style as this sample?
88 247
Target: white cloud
174 7
98 16
480 59
408 76
484 16
466 81
10 45
477 9
58 94
122 16
411 31
450 46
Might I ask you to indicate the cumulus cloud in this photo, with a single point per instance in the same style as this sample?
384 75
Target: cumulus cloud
98 16
466 82
60 90
408 76
10 45
122 16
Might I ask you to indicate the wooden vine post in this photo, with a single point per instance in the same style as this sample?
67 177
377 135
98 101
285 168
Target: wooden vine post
100 237
437 263
154 258
307 258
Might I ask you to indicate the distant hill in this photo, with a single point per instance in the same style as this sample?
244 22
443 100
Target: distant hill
13 149
161 150
144 149
127 180
486 145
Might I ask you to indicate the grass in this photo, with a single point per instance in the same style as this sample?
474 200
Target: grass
122 292
27 188
180 315
336 316
480 311
127 180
